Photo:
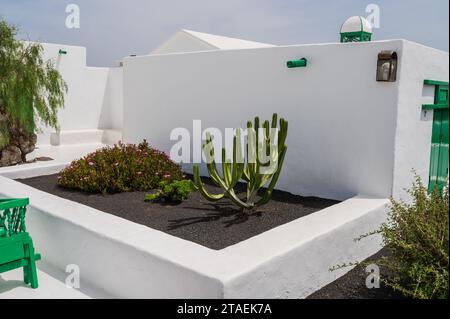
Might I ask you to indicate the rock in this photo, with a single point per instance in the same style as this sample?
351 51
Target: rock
27 144
11 155
18 142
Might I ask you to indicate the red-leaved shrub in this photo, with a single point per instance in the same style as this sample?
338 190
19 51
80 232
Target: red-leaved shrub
120 168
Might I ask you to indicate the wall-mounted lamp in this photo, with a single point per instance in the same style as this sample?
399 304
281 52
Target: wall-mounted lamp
297 63
62 52
387 66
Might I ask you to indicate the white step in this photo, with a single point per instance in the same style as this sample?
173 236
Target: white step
93 136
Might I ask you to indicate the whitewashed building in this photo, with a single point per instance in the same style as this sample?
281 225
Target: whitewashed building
362 112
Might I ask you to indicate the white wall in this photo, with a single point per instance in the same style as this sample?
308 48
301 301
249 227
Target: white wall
414 126
111 116
342 122
94 94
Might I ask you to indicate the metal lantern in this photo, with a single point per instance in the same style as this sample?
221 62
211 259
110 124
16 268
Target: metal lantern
387 66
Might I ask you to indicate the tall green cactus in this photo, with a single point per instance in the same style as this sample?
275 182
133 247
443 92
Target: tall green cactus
250 169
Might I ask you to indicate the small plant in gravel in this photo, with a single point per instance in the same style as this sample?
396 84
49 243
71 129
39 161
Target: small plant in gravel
120 168
171 192
416 236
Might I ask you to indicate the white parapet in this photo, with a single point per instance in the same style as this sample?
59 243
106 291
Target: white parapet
128 260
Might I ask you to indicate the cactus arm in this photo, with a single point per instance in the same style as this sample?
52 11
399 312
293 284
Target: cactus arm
238 159
274 120
198 184
282 135
226 170
236 200
229 192
265 199
211 163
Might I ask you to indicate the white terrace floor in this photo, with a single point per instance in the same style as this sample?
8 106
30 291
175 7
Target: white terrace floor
12 287
51 284
61 155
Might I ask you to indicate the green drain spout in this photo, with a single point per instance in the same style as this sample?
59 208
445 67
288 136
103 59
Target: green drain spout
297 63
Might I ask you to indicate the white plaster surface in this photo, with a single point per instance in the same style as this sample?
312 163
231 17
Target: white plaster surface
93 99
12 287
341 121
414 126
192 41
127 260
61 155
356 24
349 134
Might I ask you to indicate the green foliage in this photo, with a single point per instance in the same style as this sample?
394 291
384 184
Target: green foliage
175 191
254 170
417 234
31 89
121 168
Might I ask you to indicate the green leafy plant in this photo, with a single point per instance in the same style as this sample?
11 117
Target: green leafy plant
267 140
416 236
169 192
31 91
120 168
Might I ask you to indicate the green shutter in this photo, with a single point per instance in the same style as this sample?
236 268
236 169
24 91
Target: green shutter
440 139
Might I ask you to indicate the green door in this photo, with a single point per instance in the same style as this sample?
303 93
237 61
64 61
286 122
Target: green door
440 139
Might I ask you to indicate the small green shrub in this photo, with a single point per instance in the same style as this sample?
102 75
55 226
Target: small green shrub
417 235
176 191
121 168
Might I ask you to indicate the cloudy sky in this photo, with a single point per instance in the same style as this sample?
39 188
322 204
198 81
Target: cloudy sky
111 29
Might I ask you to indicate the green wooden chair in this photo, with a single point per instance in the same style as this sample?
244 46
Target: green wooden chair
16 245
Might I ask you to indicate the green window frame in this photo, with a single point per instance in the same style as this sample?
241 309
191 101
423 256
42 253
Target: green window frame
439 159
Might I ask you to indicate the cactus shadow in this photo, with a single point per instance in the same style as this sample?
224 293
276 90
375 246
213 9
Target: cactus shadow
229 215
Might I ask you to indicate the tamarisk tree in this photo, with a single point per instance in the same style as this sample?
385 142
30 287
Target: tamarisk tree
31 92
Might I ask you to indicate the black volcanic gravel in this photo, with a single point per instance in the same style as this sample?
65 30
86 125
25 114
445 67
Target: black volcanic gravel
215 226
353 284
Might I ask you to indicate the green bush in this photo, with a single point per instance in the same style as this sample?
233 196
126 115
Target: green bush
176 191
121 168
416 235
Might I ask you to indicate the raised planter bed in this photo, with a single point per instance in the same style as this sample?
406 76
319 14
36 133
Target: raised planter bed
215 226
129 260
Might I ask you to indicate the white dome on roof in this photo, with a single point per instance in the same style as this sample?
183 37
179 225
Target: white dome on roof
356 24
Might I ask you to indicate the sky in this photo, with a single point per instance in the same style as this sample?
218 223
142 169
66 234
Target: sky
112 29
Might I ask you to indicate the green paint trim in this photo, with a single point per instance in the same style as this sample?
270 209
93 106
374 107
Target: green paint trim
297 63
428 107
433 82
363 36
